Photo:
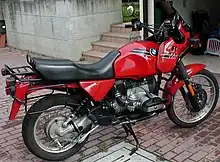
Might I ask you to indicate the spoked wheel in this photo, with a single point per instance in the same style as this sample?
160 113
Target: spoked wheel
46 135
182 113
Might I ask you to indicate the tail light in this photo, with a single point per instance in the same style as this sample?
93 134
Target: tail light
10 85
4 72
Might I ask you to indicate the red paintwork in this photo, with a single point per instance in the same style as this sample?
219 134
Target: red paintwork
166 65
97 89
23 88
174 85
131 65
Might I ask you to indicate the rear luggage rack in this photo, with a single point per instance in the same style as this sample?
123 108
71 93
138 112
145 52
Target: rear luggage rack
23 70
19 72
28 75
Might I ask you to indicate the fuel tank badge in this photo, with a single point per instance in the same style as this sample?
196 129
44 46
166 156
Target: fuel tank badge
153 51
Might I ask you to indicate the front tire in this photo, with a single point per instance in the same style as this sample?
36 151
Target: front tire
29 124
170 109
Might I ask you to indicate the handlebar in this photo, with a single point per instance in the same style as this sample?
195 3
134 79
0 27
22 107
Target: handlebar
148 29
137 26
164 31
128 25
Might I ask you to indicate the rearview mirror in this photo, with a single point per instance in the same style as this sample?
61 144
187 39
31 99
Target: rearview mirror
136 25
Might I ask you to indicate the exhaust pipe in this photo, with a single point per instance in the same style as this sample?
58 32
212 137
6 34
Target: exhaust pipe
86 135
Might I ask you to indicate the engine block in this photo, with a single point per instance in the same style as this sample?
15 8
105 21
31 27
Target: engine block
131 95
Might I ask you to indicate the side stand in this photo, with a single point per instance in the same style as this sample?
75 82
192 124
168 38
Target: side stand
128 130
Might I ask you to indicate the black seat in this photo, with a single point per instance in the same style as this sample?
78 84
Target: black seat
66 70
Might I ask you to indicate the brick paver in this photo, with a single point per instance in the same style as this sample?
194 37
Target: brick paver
158 134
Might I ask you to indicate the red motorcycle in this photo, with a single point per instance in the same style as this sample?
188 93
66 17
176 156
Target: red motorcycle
122 88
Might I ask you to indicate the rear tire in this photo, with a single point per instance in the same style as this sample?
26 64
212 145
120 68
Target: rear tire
29 124
175 119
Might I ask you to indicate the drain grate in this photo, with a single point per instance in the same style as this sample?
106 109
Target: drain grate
120 153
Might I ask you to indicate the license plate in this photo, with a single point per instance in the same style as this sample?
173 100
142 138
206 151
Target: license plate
10 105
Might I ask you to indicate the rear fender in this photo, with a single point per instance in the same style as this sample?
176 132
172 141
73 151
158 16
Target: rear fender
23 89
97 89
175 84
20 92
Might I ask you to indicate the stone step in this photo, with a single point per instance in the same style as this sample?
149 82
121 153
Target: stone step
116 38
120 28
93 56
119 37
83 62
105 46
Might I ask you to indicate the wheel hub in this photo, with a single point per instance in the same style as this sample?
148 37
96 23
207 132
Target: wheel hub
55 130
202 99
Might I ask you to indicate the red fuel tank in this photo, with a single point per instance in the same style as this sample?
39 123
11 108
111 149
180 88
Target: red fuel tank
137 60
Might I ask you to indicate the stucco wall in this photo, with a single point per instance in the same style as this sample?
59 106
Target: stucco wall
59 28
1 10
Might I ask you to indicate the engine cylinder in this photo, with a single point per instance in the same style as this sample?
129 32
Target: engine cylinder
130 94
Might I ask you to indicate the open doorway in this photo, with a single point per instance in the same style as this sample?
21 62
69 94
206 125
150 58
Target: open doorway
140 9
204 18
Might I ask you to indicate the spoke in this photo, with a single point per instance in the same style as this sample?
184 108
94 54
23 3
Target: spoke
207 85
59 144
50 143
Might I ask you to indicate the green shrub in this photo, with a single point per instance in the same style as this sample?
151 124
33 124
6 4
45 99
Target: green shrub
127 16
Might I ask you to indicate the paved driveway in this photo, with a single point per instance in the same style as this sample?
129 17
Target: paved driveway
158 135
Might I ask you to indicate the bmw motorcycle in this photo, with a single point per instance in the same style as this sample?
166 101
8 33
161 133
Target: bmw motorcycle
134 83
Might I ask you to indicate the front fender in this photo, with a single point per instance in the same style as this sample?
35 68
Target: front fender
175 84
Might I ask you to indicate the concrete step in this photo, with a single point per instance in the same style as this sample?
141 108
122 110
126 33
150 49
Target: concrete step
93 56
119 37
83 62
105 46
120 28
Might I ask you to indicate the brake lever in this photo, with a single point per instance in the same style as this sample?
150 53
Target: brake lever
149 30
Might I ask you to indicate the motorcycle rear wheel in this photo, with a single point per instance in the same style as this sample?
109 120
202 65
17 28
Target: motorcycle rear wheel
171 109
29 124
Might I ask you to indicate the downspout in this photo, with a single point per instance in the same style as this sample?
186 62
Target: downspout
2 9
150 7
142 5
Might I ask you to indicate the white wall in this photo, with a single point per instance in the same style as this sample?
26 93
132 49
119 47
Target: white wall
59 28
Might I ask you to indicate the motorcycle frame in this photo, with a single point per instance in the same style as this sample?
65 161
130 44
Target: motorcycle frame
20 87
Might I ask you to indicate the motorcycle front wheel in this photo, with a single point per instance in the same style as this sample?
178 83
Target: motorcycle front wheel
180 110
39 130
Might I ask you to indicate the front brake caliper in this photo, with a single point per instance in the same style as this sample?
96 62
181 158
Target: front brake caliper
201 96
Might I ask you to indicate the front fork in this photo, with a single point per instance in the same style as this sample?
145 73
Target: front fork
183 75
